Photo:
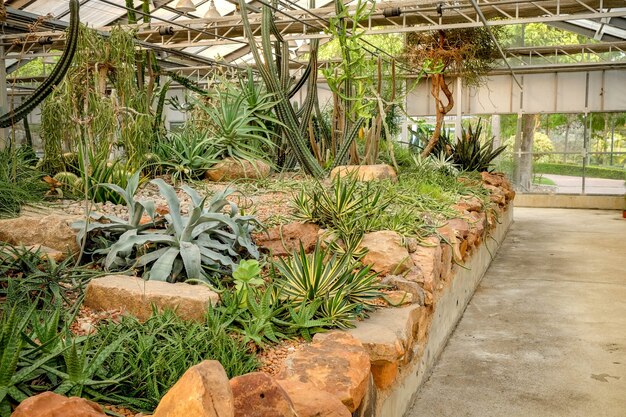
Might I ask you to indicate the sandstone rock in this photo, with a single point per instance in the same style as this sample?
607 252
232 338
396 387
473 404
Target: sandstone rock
283 240
428 258
136 296
230 169
334 362
49 404
366 172
423 324
446 265
388 337
386 254
258 395
308 401
396 298
449 238
411 286
53 231
202 391
460 226
412 244
384 374
469 204
495 179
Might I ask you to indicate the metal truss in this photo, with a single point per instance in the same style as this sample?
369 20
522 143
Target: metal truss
389 17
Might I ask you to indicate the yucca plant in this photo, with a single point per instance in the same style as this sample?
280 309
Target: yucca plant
469 154
206 241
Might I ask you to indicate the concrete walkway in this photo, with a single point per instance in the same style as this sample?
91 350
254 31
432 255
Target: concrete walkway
574 185
545 334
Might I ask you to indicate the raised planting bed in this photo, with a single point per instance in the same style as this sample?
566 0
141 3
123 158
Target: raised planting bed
263 348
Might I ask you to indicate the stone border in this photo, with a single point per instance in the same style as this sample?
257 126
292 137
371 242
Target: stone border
448 309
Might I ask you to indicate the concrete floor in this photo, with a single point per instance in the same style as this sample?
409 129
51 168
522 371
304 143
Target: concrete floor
545 334
574 185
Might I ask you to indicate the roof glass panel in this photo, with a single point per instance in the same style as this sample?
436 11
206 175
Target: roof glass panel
53 7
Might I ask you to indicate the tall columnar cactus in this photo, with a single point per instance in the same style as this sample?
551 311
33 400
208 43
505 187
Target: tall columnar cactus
55 77
275 74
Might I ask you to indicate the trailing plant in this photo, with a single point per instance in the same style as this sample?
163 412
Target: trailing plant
55 77
344 286
103 105
208 241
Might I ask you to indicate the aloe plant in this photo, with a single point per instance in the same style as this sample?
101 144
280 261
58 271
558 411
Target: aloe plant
191 247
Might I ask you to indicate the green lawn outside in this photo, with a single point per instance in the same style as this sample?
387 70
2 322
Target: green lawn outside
577 171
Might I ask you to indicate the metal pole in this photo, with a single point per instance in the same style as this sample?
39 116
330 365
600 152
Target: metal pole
458 127
4 99
585 139
612 141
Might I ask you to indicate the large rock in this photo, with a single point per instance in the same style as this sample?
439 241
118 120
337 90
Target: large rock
230 169
283 240
334 362
53 231
49 404
428 258
137 296
202 391
386 254
468 204
257 394
308 401
366 172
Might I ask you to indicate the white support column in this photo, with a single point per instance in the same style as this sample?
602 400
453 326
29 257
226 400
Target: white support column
4 99
459 107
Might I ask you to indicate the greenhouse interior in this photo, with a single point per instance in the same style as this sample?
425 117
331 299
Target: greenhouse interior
312 208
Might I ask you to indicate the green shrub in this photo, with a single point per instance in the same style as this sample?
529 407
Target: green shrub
20 181
577 171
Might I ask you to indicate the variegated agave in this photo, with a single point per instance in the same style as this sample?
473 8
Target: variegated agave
192 247
339 286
